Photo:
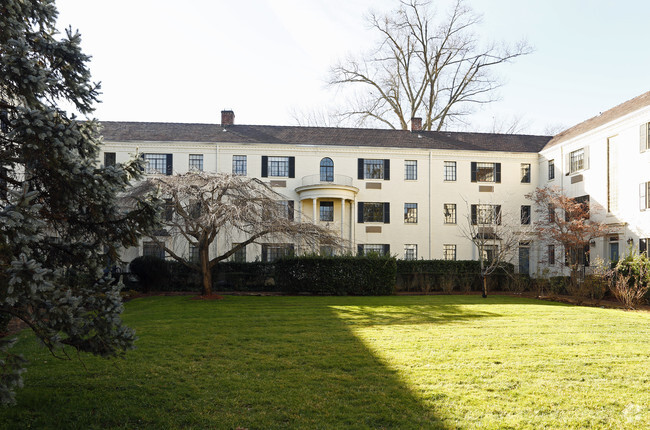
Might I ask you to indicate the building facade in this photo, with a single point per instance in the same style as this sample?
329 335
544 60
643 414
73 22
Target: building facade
409 193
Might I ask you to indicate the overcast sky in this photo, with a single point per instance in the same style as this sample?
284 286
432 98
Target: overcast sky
173 61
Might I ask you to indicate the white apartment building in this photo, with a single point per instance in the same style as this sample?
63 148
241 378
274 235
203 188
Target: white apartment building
408 193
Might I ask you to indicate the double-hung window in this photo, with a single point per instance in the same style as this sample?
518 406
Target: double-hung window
525 214
239 166
551 169
450 171
525 173
326 170
645 137
450 213
109 159
374 249
327 211
374 212
374 169
196 162
485 172
449 252
274 251
577 160
410 252
410 213
159 164
240 255
410 170
278 167
486 214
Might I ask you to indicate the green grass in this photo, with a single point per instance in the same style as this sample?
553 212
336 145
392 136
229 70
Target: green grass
351 362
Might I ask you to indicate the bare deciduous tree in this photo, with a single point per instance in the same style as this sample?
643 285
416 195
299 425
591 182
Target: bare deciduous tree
569 222
203 205
496 236
425 66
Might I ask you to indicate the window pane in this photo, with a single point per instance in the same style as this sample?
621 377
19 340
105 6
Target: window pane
551 169
577 159
373 169
326 170
410 252
485 172
410 213
525 214
373 249
449 252
239 165
450 213
450 170
240 255
525 173
109 159
194 254
327 211
196 162
278 166
156 164
152 249
373 212
410 170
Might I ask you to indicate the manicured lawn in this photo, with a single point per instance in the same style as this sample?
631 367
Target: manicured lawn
352 362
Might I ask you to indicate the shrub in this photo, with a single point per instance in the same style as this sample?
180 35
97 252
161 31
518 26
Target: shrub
151 271
559 284
340 275
630 279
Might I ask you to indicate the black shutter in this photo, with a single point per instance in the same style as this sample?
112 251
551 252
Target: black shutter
643 245
292 250
265 167
290 207
498 214
386 170
144 163
473 214
386 213
359 249
360 168
473 173
386 249
644 137
292 167
360 212
264 253
586 255
170 164
497 172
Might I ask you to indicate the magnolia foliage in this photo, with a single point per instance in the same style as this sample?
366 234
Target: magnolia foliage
204 206
60 226
426 64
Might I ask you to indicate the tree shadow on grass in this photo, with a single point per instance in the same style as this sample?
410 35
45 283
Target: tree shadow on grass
253 363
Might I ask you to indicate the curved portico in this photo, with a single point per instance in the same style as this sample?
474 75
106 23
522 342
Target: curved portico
338 194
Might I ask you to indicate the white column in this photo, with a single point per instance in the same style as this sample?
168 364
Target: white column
313 210
342 218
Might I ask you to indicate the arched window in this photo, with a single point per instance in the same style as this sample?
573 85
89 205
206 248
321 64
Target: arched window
326 170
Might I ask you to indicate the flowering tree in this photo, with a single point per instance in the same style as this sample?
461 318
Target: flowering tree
60 226
569 222
202 206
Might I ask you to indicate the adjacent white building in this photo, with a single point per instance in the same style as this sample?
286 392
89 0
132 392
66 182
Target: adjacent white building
409 192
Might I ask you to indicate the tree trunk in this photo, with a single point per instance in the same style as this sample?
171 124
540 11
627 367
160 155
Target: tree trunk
484 286
204 254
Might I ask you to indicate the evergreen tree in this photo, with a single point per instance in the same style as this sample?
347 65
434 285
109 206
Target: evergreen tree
60 225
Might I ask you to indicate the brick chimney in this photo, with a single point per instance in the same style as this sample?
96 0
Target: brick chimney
416 124
227 117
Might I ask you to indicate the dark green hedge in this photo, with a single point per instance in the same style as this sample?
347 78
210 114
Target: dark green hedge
448 275
344 275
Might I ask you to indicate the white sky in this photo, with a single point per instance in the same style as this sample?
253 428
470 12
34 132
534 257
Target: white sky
173 61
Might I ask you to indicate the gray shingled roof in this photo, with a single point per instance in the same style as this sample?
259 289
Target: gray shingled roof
610 115
295 135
